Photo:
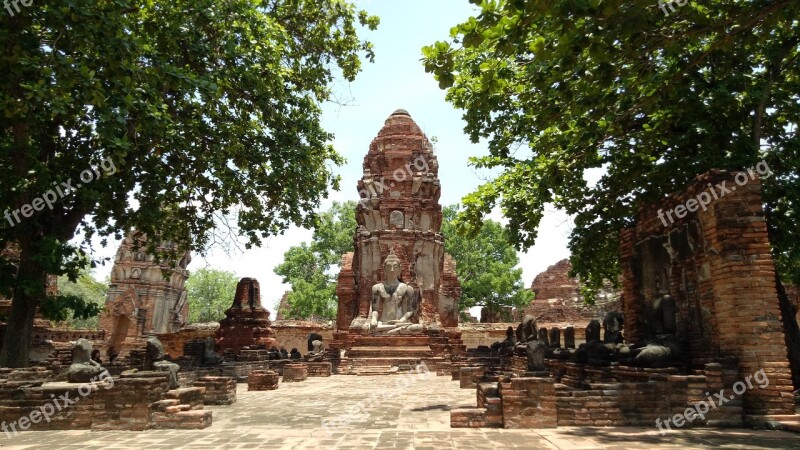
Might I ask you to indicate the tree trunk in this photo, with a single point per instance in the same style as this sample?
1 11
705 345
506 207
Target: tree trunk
16 341
791 331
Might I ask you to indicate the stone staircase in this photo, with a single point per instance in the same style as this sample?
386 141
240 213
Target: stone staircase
182 409
387 355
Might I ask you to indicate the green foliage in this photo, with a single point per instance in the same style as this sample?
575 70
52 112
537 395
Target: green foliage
84 296
561 88
203 108
307 267
486 265
210 292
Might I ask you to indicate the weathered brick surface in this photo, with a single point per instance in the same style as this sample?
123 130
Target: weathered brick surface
135 402
722 278
246 322
529 403
263 380
469 376
219 390
319 369
140 300
295 372
558 302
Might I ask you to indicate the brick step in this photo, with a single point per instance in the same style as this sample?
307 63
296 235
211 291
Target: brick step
192 396
390 352
183 420
395 341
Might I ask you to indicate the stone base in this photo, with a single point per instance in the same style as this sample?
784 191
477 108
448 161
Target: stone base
136 401
469 376
262 380
468 418
219 390
295 372
319 369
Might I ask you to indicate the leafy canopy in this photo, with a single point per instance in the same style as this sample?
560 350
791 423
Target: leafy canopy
210 292
486 266
561 88
309 268
87 291
205 108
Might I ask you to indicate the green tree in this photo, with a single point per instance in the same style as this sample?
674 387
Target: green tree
210 292
560 88
201 107
486 265
309 267
90 291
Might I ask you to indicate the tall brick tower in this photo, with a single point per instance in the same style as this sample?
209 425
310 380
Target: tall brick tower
399 212
140 301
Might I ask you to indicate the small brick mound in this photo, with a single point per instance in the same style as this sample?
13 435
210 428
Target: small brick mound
295 372
319 369
468 418
262 380
219 390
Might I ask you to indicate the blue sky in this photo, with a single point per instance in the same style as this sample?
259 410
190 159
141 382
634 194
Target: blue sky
397 79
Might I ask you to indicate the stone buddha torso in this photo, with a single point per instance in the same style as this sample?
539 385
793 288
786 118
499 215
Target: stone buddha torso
393 302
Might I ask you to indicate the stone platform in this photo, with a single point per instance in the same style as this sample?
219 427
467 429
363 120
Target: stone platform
412 416
386 355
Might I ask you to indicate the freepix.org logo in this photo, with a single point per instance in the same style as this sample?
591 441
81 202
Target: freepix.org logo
15 3
59 191
703 199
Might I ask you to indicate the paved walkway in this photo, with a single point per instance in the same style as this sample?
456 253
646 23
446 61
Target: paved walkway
396 412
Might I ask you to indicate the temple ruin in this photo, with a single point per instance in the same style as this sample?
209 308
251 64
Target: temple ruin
145 296
699 316
398 291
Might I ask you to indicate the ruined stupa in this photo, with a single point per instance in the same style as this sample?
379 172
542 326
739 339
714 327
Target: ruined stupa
399 281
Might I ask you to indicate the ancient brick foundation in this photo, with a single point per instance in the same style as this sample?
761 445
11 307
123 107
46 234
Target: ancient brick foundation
262 380
468 376
136 401
218 390
246 323
295 372
291 334
715 263
319 369
719 270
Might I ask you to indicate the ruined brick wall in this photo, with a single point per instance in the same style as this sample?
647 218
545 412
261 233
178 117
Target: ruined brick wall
717 265
294 333
476 334
558 301
140 301
174 342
